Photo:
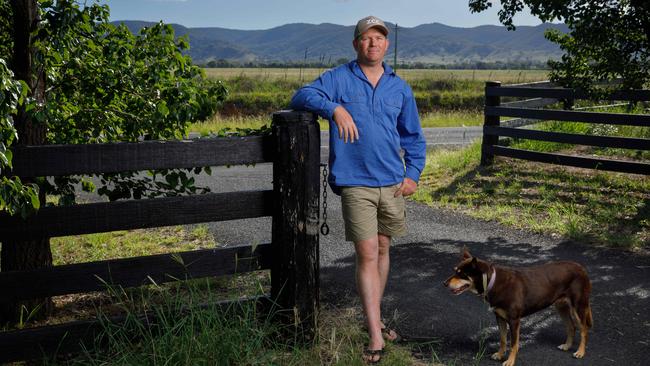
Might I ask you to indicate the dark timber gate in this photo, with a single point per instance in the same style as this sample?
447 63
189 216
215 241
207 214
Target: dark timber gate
292 256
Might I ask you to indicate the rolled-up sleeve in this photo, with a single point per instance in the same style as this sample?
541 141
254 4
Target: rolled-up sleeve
411 137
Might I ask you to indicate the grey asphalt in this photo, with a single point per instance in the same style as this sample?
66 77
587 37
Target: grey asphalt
456 329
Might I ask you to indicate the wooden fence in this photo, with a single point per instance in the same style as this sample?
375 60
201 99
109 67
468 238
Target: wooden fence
292 255
527 111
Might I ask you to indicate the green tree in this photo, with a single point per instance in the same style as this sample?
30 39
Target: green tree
79 79
608 39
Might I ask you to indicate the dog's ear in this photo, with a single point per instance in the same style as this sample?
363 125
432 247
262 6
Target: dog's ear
465 253
474 262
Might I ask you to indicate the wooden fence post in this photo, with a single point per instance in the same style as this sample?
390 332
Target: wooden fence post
295 258
487 157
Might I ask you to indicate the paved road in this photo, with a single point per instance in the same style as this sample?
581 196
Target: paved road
456 326
436 138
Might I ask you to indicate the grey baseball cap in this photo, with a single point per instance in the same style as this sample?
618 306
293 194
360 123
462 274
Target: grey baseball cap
370 22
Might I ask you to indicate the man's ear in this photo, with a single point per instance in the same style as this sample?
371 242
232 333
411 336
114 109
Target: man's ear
355 43
466 254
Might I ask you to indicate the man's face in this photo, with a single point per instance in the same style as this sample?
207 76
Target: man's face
371 47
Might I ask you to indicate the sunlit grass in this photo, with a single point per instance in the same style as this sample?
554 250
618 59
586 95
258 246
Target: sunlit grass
306 75
442 118
131 243
218 122
459 118
591 206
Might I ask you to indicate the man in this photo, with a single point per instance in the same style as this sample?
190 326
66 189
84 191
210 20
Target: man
372 115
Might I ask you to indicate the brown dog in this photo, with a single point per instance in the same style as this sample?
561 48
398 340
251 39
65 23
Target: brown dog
513 293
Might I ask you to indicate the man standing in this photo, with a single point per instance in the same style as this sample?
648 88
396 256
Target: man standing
372 116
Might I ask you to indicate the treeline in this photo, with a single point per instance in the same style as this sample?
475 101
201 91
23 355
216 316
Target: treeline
466 65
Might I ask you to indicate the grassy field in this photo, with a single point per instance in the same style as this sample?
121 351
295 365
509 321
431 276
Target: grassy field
259 91
443 118
410 75
445 98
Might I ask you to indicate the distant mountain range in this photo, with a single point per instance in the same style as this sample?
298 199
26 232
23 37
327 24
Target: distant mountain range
433 43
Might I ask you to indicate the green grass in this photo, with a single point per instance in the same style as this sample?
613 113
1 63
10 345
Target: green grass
294 74
185 334
442 118
451 118
259 91
236 335
132 243
592 129
603 208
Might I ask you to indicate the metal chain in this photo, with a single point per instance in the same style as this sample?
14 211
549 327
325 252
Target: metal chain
324 229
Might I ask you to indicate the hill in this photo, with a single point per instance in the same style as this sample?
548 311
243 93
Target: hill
434 42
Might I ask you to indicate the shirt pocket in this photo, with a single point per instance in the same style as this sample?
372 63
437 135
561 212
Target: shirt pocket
393 105
355 104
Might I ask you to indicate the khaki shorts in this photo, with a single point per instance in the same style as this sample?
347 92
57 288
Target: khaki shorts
369 210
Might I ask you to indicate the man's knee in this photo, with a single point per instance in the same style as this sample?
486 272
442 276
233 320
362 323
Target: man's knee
367 250
383 244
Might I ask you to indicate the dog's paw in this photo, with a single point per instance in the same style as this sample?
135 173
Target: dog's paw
579 354
564 347
508 362
497 356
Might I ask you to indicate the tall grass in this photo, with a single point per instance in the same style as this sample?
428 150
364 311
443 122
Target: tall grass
178 332
187 334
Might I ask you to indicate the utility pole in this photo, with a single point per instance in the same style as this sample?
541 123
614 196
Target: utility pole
395 50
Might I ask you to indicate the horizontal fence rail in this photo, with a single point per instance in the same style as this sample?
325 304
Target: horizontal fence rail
494 128
131 272
136 214
531 103
569 138
564 93
576 161
86 159
573 116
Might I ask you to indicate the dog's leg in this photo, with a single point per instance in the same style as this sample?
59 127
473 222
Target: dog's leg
564 309
584 321
503 333
514 342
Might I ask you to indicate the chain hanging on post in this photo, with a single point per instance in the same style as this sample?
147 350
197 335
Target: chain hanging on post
324 229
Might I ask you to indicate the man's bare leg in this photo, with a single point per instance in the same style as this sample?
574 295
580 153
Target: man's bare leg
369 287
383 262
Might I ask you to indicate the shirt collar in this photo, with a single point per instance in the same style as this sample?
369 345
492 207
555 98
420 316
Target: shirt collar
356 69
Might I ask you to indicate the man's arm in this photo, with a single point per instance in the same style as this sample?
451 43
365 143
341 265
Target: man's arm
318 97
412 142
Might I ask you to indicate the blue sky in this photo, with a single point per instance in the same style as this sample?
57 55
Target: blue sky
264 14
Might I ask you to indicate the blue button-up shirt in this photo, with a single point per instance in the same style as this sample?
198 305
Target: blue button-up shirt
387 120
